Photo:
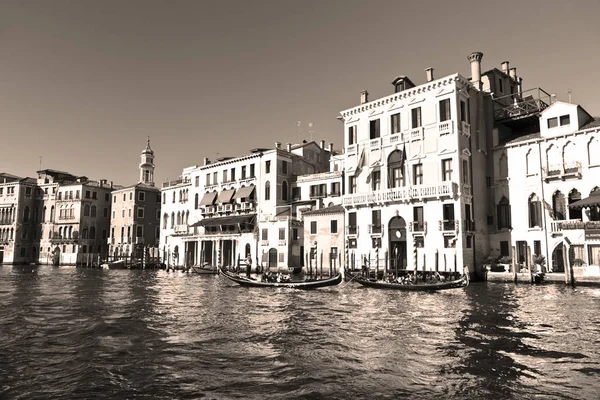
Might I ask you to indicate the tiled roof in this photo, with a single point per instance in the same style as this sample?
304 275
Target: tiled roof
524 138
594 123
327 210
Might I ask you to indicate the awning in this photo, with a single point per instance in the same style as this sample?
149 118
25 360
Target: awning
244 192
593 200
226 195
233 220
208 199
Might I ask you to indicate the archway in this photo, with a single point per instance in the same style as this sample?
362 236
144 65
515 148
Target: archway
56 256
272 257
397 243
558 260
247 252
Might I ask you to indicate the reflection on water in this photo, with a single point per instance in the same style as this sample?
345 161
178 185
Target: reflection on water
74 333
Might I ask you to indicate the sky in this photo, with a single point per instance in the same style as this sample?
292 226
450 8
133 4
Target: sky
83 84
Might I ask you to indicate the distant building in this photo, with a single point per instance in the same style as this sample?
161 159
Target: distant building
135 214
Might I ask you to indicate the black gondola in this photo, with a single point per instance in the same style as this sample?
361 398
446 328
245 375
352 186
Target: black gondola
305 284
462 282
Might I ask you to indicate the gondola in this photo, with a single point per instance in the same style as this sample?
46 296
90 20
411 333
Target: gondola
462 282
205 270
306 284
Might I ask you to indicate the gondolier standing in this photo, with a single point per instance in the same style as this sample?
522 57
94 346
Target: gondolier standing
248 265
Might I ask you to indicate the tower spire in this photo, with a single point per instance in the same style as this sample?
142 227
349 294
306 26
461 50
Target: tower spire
147 165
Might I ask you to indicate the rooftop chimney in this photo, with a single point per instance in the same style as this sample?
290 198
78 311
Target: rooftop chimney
289 147
429 74
323 144
475 59
364 97
520 85
331 148
513 73
206 161
552 98
505 67
277 145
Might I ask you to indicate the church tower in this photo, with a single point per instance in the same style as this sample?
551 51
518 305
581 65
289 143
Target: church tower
147 166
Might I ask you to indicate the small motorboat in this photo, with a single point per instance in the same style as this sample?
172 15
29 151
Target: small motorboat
119 264
281 281
410 284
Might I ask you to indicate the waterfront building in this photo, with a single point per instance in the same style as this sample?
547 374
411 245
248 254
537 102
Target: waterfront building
543 186
135 214
243 207
18 216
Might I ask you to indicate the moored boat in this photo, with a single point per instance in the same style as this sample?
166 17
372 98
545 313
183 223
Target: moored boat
119 264
300 284
205 269
410 284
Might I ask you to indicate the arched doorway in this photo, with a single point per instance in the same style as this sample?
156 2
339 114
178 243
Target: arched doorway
56 256
558 260
247 252
272 257
397 243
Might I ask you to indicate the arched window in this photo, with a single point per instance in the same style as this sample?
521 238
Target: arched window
187 217
535 211
559 206
52 212
178 218
503 166
44 214
92 232
84 233
70 232
569 155
164 198
36 214
60 232
165 220
529 163
593 149
574 196
504 214
284 190
173 196
26 214
122 233
395 169
553 160
196 198
93 212
172 219
267 190
86 210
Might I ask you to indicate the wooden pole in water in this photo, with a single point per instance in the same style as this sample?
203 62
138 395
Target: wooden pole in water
377 263
396 260
321 259
385 263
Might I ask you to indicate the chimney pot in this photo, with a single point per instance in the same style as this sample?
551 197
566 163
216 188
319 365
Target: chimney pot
331 147
277 145
206 161
505 68
289 147
475 60
364 97
429 74
323 144
513 73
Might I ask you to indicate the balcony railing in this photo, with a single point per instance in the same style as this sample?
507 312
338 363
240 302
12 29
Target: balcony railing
375 229
352 149
318 195
572 224
375 143
447 225
181 229
446 127
468 225
562 171
419 192
281 242
352 230
417 226
414 134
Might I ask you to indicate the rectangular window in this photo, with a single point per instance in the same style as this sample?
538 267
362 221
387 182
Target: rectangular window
376 180
504 250
535 214
396 177
448 214
130 212
465 172
335 189
500 85
130 195
313 227
295 234
447 169
207 179
352 229
374 129
105 212
376 221
265 234
281 233
418 174
395 123
243 172
94 195
503 215
284 167
225 176
140 212
197 181
565 120
139 231
232 173
252 171
522 252
552 122
215 178
351 184
419 222
469 241
281 257
537 247
333 226
376 242
267 167
351 135
123 213
415 114
463 111
445 110
142 196
114 214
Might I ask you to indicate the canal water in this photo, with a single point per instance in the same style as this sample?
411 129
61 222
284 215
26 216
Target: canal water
88 333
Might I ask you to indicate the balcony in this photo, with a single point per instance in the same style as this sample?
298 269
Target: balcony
465 129
281 242
66 217
562 171
63 240
557 227
318 195
468 225
352 149
376 230
417 227
248 206
375 144
352 230
181 229
264 242
448 225
209 210
418 192
414 134
228 207
446 127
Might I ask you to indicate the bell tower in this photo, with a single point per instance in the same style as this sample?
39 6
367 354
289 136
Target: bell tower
147 165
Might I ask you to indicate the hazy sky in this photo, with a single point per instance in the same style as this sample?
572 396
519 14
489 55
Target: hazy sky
83 83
